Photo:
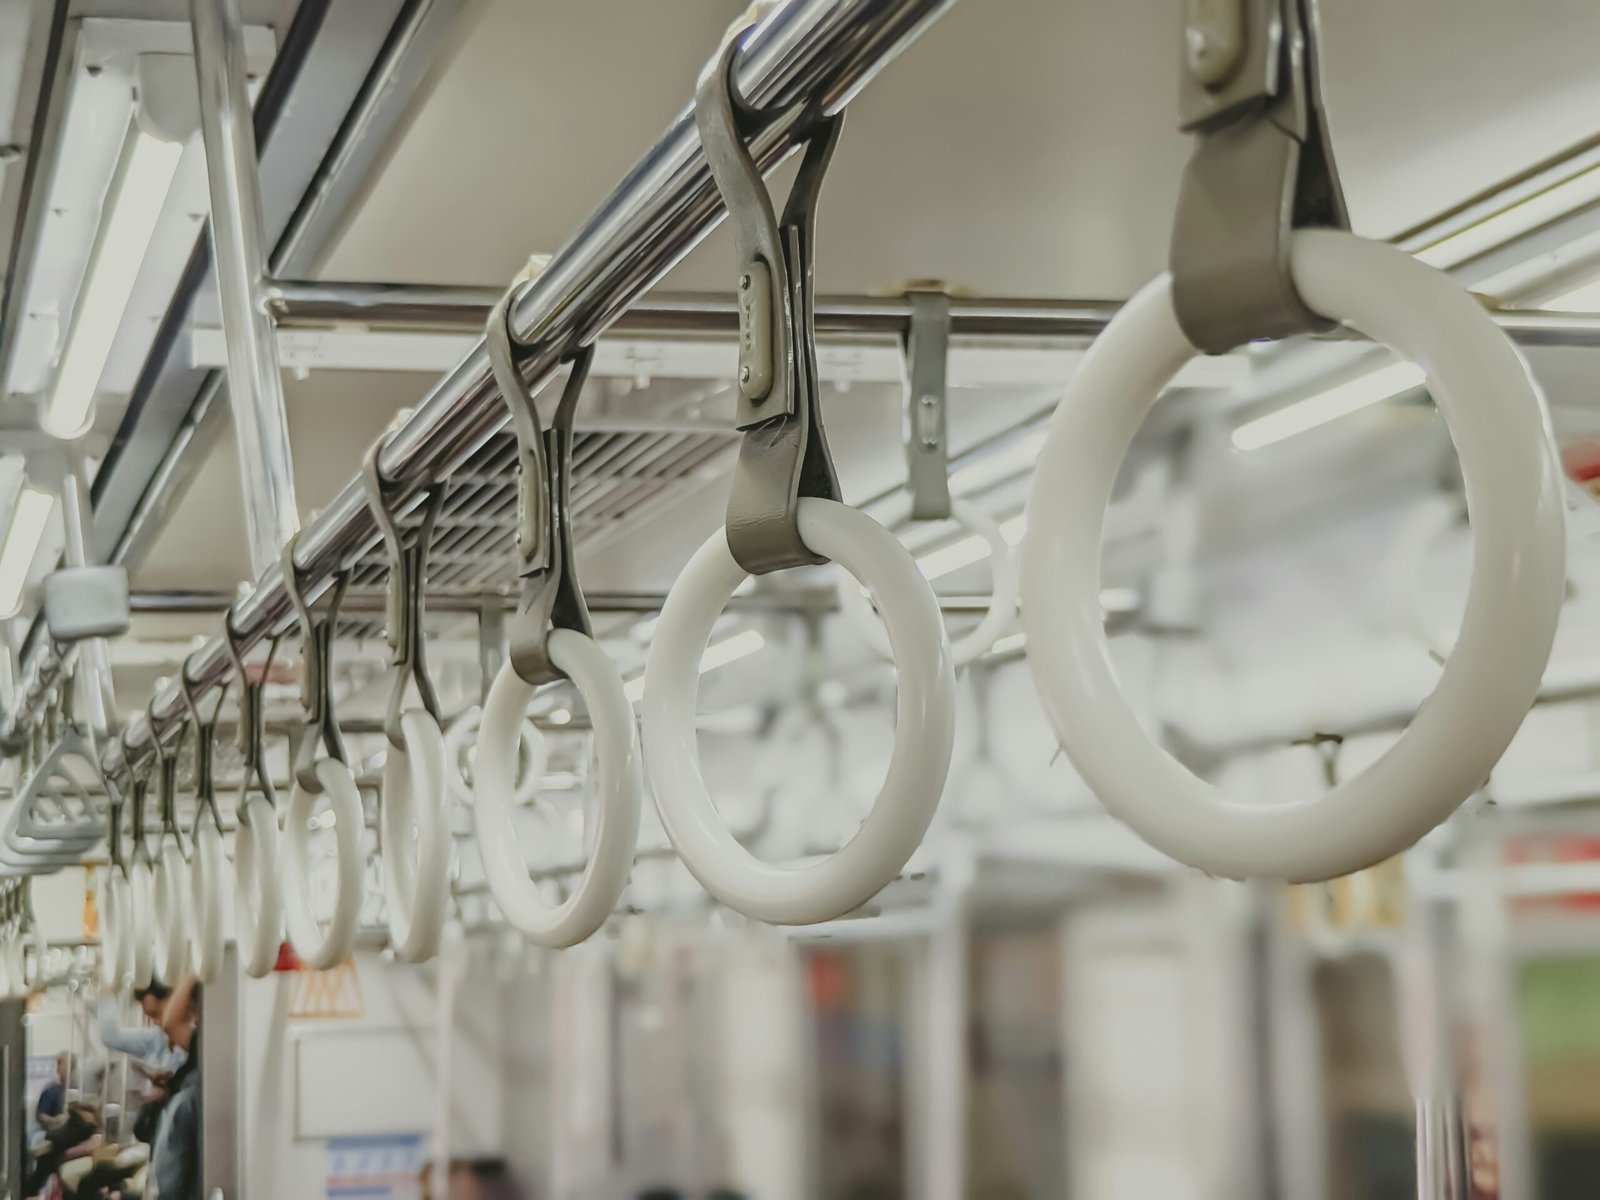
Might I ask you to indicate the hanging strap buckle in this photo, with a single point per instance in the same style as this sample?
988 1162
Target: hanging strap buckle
252 718
1261 168
546 553
316 679
784 454
406 599
205 746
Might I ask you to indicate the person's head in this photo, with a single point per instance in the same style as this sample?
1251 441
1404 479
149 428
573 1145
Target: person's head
153 1000
63 1062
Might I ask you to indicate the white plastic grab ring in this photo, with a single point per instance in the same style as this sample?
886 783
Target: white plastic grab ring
1513 493
460 745
171 892
996 622
140 928
258 901
924 727
323 946
115 948
616 749
414 817
207 872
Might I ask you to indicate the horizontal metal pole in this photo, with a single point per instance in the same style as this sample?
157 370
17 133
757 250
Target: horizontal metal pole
297 304
366 600
807 55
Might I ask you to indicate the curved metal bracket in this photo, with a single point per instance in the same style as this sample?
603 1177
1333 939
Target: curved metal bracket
784 455
407 595
316 682
546 553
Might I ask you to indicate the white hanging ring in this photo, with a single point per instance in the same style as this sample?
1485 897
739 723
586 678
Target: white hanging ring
258 901
141 926
323 946
207 874
460 744
414 821
924 727
1513 493
115 948
171 897
996 621
621 772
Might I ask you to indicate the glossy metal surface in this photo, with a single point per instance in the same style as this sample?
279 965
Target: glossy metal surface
824 50
255 382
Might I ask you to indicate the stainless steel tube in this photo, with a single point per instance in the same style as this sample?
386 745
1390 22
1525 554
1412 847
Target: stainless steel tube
255 383
296 303
819 51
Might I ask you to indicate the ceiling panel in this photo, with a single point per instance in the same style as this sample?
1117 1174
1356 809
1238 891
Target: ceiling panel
1020 146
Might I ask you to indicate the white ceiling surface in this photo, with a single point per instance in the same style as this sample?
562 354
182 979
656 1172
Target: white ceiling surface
1019 147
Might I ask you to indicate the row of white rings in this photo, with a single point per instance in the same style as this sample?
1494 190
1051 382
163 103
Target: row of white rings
1512 478
1512 482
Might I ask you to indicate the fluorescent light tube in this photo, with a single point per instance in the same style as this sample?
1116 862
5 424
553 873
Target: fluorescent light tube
965 551
133 206
720 654
1383 384
28 521
1509 223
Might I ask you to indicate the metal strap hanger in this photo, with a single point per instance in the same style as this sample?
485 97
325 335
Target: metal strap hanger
407 595
784 454
1262 167
205 748
316 682
166 779
546 560
252 716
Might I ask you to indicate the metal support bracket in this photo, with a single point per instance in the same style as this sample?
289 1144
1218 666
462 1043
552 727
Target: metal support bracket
927 350
406 597
316 676
1261 168
784 455
546 554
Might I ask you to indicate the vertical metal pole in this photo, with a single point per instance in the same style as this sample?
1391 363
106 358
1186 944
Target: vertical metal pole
220 1054
255 384
94 656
